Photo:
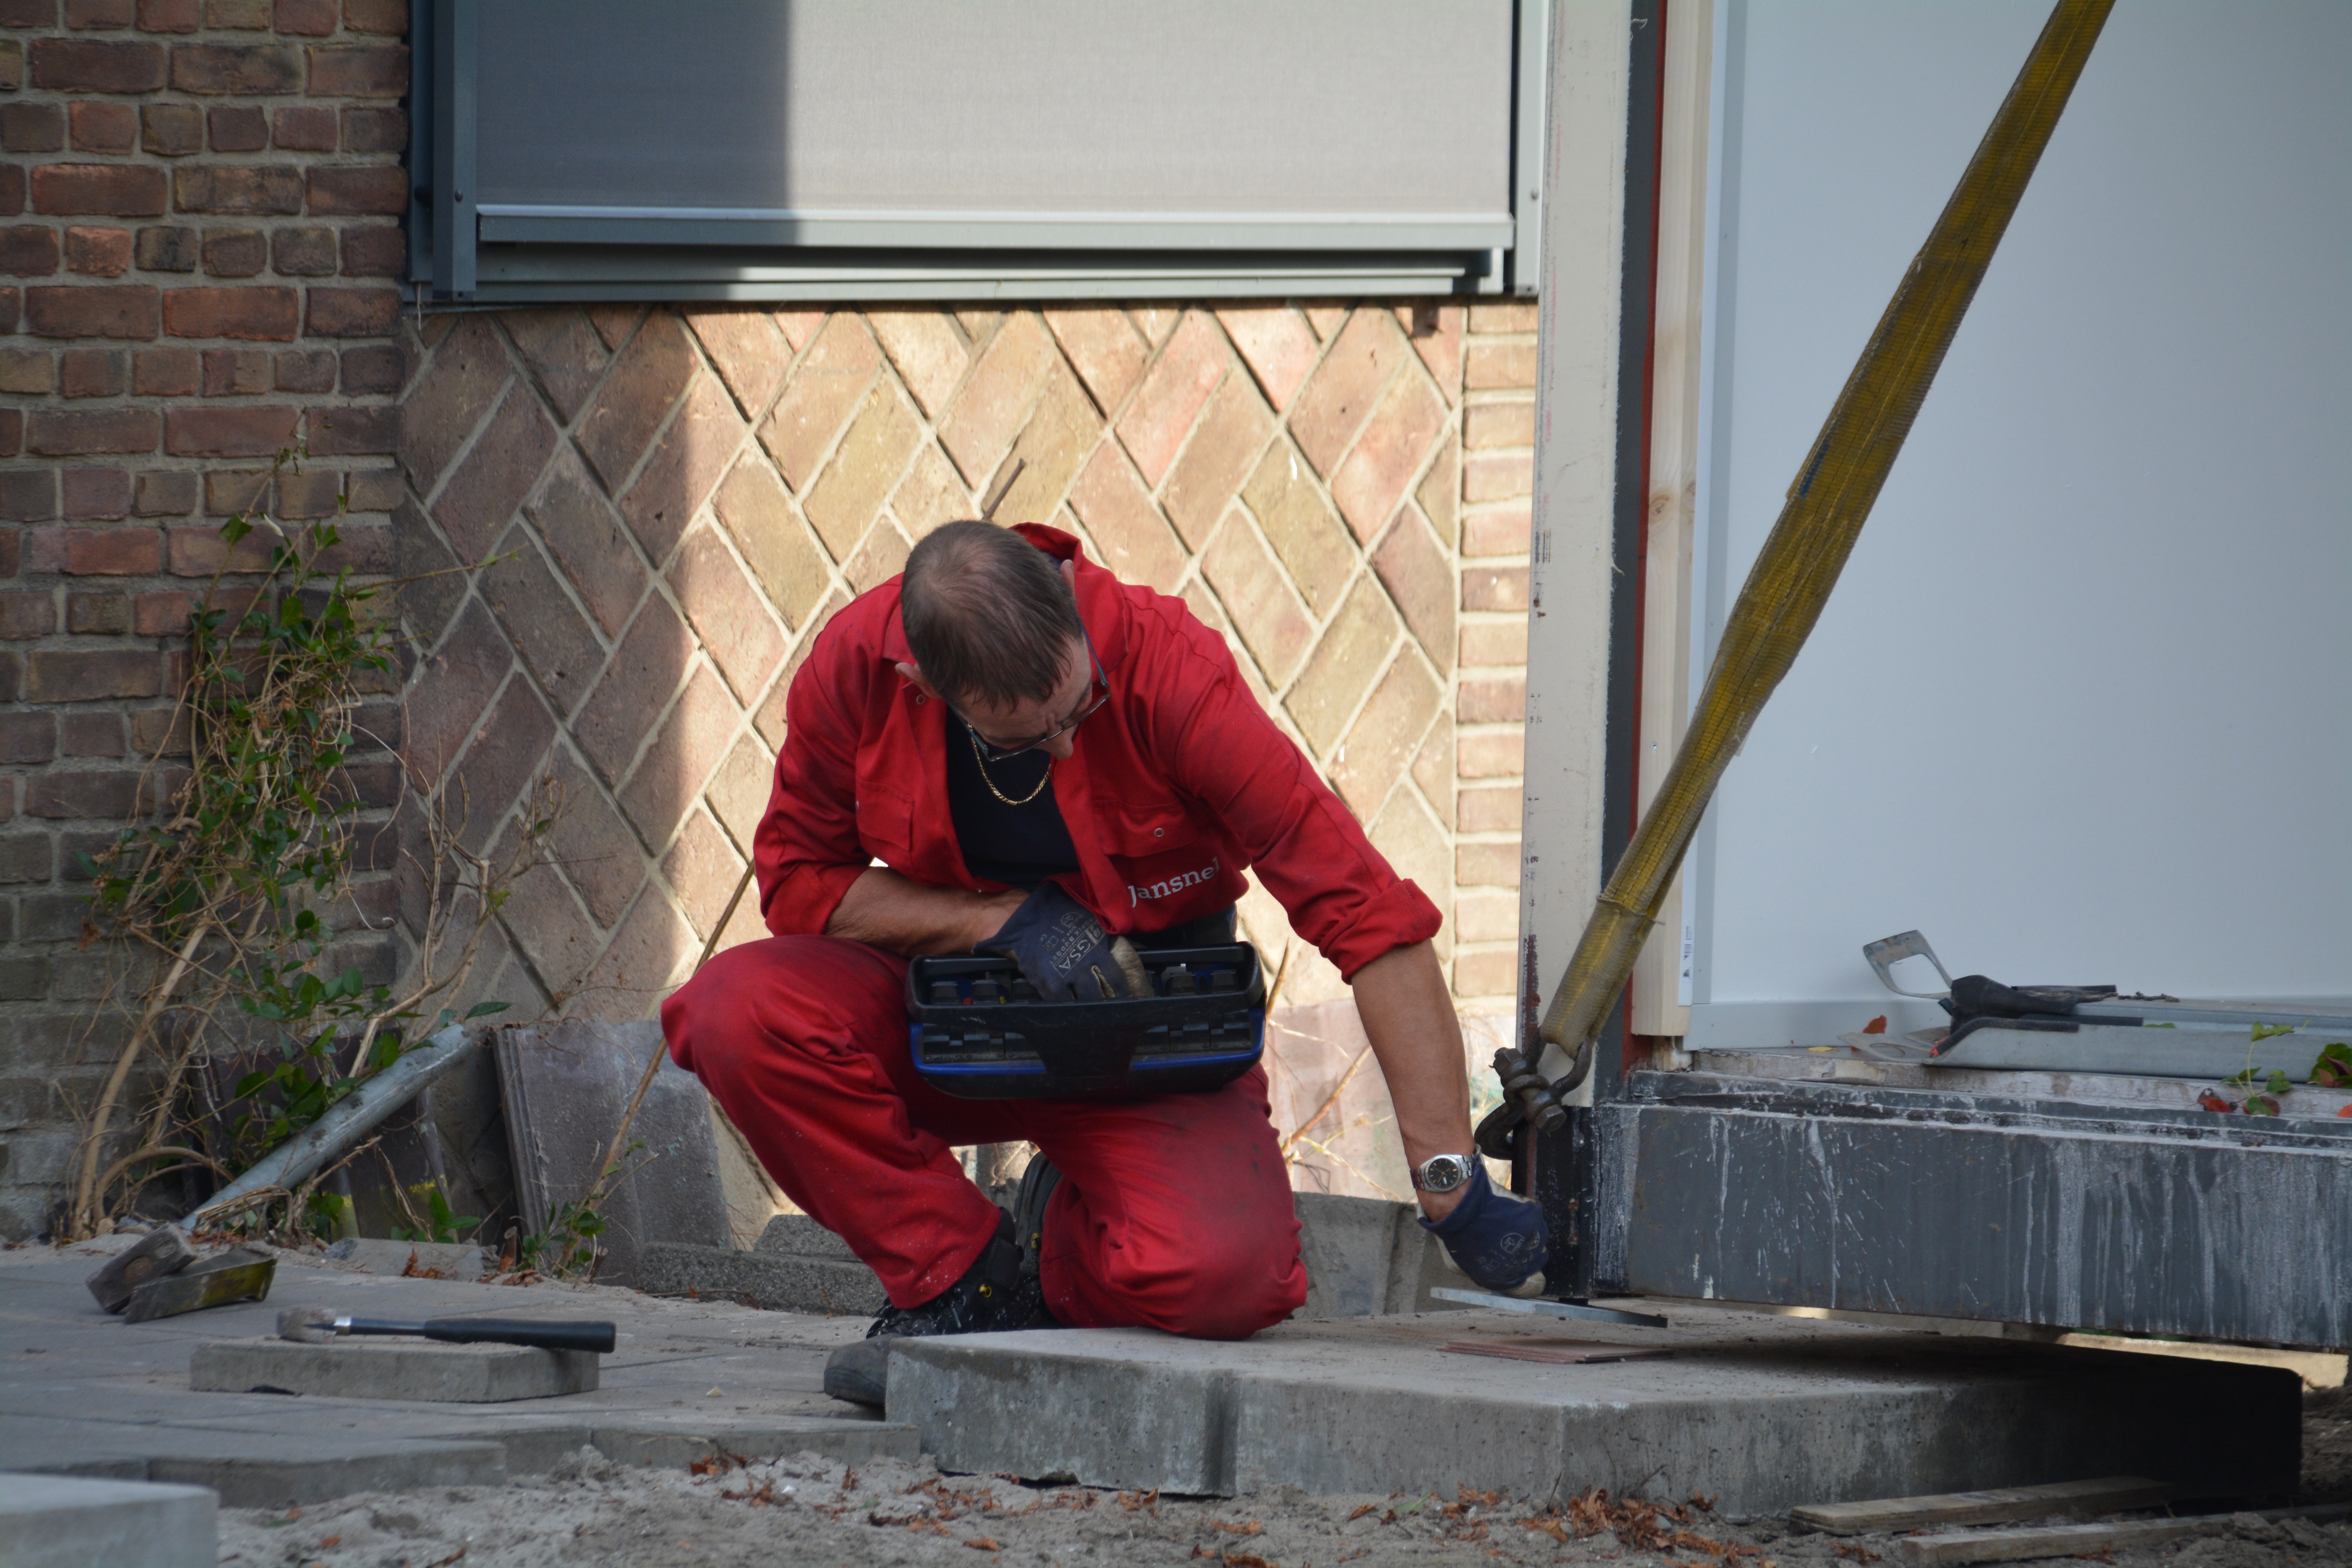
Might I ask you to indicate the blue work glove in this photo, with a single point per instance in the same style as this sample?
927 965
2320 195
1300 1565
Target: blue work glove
1064 951
1495 1237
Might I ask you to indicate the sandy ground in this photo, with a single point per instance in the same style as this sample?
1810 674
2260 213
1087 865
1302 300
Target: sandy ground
816 1511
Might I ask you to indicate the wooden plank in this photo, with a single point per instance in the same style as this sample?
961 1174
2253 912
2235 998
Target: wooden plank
1999 1505
2074 1540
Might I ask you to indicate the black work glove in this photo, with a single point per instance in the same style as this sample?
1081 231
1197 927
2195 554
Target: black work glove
1495 1237
1064 951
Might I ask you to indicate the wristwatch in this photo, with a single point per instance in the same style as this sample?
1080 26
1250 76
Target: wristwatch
1443 1172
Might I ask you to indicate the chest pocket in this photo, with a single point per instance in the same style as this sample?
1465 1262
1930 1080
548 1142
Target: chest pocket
886 823
1145 828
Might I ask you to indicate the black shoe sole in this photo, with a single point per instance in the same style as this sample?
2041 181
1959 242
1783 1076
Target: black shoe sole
859 1374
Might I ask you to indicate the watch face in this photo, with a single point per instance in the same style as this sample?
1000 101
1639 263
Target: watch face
1444 1173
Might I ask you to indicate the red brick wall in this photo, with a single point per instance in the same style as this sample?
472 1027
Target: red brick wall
199 254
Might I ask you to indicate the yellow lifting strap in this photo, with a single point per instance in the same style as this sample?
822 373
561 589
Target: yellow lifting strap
1827 505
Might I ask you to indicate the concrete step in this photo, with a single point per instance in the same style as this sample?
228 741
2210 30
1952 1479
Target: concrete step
1761 1413
61 1521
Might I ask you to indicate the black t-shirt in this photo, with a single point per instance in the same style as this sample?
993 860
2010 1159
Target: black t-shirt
1020 845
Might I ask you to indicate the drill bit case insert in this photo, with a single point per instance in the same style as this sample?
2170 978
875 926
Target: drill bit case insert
980 1031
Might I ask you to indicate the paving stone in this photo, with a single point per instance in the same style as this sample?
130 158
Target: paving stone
693 740
564 1086
61 1521
1758 1413
776 1282
382 1369
289 1471
450 1260
1435 333
932 493
798 1235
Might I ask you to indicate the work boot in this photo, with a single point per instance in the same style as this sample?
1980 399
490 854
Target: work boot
1037 1184
996 1293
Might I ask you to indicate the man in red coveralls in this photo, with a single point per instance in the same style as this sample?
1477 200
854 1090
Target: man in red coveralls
1007 748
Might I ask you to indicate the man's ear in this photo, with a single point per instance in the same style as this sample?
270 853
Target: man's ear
908 672
1070 574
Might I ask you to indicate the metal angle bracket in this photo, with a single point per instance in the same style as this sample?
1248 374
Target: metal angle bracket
1541 1308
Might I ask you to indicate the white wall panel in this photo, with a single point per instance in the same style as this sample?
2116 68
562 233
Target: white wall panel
2080 707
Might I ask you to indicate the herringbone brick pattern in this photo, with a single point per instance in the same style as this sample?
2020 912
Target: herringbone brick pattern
676 501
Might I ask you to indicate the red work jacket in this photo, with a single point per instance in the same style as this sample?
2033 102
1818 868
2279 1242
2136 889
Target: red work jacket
1177 782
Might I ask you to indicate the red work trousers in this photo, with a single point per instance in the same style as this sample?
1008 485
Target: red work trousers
1174 1213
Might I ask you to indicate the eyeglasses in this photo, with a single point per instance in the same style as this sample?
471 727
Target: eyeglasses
998 750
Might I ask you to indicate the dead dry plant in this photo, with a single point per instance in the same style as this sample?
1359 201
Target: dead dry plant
224 908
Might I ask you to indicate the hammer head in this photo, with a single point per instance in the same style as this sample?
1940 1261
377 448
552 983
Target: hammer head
306 1325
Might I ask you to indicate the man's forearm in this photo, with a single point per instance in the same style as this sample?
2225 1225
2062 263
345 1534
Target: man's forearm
897 914
1408 1017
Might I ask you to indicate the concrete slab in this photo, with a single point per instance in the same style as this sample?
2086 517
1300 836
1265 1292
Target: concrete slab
61 1521
565 1087
439 1373
775 1281
89 1395
429 1259
1759 1412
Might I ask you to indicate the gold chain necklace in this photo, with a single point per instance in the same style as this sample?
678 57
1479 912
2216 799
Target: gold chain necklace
982 761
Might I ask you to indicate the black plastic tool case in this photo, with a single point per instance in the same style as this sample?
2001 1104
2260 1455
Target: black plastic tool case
990 1043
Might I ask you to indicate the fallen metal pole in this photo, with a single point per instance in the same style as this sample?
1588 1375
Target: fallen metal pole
302 1155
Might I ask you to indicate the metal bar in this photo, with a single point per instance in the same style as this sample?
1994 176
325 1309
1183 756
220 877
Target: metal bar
514 222
1531 79
1541 1308
457 31
419 219
300 1156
